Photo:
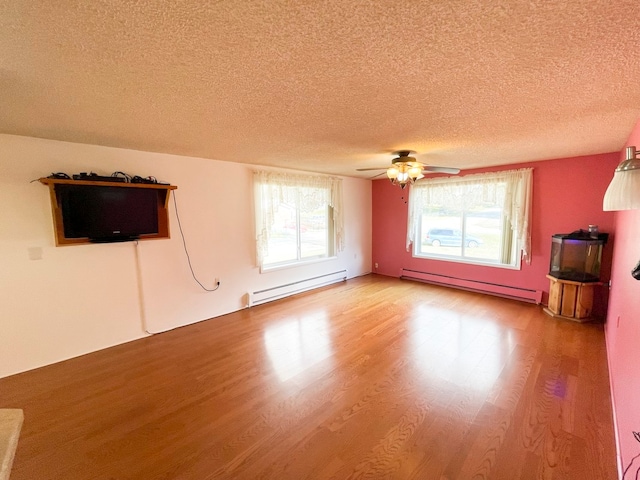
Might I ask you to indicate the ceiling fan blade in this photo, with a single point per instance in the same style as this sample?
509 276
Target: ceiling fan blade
429 168
370 169
376 176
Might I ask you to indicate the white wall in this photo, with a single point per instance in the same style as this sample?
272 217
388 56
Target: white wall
78 299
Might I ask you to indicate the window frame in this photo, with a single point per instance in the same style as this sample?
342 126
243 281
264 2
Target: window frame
515 214
515 263
269 185
330 243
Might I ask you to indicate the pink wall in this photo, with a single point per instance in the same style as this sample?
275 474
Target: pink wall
567 195
623 328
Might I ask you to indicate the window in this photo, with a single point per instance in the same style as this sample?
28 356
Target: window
481 218
298 218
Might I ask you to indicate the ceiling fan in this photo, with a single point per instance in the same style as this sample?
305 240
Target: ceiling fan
405 169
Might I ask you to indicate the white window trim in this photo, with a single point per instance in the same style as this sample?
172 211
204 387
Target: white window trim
471 261
300 263
516 209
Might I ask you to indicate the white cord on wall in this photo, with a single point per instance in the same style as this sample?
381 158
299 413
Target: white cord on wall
141 303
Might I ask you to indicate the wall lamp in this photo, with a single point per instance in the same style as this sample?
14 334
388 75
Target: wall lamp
624 190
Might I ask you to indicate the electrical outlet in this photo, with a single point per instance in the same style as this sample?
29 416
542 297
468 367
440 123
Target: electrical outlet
216 282
376 264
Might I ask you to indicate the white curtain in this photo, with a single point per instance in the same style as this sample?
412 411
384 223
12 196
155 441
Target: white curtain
274 188
512 188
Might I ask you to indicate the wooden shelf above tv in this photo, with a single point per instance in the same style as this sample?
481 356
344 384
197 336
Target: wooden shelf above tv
56 208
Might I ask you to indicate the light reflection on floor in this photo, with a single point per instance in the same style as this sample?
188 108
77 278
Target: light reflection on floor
465 350
295 344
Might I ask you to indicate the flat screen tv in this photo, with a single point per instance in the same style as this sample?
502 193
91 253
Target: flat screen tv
108 214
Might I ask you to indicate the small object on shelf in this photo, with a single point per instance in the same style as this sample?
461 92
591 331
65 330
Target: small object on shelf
92 177
139 179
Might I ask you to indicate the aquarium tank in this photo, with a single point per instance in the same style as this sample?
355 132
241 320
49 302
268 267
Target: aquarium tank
577 256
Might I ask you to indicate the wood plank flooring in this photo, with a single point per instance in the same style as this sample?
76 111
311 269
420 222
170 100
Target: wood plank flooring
373 378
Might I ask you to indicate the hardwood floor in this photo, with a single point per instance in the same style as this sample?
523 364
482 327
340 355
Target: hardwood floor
373 378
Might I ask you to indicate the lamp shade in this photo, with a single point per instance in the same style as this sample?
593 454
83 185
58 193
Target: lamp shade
392 173
415 171
623 192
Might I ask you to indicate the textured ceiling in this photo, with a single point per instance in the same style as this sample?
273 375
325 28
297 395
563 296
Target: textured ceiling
326 86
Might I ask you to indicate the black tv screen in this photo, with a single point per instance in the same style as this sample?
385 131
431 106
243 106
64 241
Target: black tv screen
108 214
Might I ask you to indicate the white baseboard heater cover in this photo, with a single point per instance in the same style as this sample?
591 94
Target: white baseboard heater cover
281 291
516 293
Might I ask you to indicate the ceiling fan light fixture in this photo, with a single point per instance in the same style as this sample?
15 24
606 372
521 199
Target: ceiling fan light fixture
405 169
403 173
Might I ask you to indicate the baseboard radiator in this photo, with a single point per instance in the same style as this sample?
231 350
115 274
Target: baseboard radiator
281 291
516 293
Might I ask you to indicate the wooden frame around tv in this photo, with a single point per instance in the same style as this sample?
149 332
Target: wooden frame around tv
164 192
